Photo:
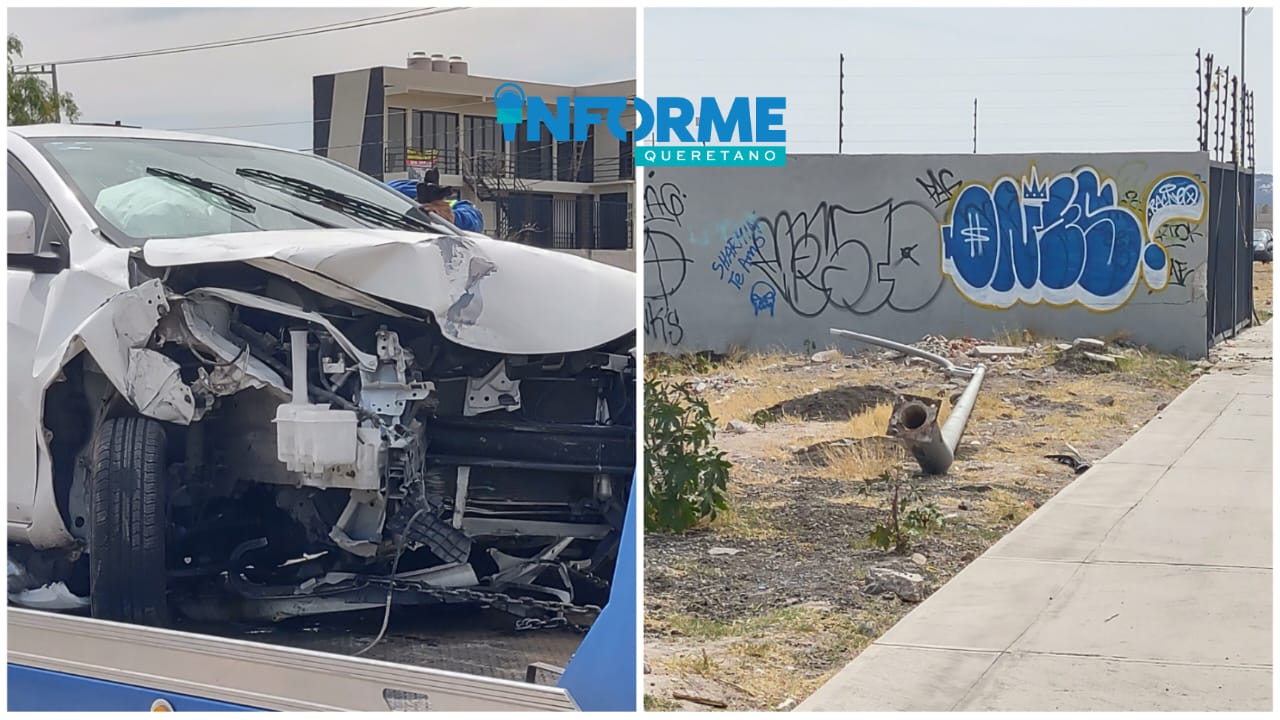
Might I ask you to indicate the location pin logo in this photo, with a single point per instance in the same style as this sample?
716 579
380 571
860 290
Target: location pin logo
510 100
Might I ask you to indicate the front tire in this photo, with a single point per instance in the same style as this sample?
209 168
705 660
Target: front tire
127 576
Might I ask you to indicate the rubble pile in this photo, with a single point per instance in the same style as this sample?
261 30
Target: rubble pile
1086 355
947 347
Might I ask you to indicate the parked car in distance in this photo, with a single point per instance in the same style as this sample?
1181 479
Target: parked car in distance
1262 242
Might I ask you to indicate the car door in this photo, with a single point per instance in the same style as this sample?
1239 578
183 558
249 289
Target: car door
28 292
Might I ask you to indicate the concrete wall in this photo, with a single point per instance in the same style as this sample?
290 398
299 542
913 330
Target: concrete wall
904 246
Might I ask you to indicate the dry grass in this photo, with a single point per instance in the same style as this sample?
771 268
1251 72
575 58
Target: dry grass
871 422
1002 507
1263 289
742 405
859 462
746 523
768 655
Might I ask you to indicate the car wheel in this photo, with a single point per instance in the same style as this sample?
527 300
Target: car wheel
127 577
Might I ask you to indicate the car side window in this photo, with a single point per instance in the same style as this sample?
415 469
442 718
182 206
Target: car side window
52 235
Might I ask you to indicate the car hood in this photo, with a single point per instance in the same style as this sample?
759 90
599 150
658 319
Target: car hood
485 294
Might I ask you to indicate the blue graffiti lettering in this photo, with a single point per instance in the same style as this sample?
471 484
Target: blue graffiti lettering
763 297
1066 239
745 237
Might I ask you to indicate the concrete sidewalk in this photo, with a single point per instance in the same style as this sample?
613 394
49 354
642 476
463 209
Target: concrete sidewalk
1143 585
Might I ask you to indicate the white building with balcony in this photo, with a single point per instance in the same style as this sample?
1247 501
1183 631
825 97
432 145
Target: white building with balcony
394 122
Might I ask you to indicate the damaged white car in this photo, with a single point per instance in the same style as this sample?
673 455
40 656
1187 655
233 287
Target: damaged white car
247 382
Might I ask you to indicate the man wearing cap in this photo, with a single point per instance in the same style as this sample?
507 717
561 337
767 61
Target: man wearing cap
459 212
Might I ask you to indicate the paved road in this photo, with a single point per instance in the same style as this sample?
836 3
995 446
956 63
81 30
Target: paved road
1143 585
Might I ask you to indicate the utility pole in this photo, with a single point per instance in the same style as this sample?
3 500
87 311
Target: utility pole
1237 149
1244 13
52 71
975 126
840 140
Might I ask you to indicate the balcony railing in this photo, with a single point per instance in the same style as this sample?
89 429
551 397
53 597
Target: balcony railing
581 223
400 159
531 164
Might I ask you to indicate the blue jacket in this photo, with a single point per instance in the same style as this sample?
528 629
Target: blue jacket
465 215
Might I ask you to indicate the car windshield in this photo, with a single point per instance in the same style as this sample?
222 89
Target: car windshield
140 189
1260 237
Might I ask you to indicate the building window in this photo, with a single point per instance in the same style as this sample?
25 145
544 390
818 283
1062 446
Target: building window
533 159
626 158
484 145
439 132
396 146
614 222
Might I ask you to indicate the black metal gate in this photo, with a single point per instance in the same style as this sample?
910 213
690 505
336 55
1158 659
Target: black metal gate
1230 268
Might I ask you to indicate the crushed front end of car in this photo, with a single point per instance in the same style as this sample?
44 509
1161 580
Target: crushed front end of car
353 418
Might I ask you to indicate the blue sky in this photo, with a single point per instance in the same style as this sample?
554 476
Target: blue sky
1047 80
271 82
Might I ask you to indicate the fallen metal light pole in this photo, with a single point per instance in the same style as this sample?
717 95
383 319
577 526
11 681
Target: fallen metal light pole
946 364
915 423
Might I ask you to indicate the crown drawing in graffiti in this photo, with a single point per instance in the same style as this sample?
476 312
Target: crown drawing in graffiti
510 101
1034 188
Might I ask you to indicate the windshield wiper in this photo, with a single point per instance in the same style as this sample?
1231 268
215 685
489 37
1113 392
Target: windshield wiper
339 201
232 197
237 200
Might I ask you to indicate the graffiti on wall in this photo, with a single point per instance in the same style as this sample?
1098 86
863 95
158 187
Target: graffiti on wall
856 260
1067 239
940 186
665 264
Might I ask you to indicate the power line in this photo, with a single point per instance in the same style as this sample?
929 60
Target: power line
922 58
255 39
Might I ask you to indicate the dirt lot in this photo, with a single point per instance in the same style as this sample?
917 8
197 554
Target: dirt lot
766 602
1263 298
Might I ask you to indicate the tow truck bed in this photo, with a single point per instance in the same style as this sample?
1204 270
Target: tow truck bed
449 659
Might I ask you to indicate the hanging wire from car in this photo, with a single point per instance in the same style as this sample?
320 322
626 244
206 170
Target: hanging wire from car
391 586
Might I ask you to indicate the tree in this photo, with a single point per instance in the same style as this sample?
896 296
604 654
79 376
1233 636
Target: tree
31 99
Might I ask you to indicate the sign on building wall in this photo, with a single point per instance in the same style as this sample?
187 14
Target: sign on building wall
419 162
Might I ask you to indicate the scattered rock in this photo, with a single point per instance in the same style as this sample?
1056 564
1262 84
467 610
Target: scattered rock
963 506
724 551
739 427
910 587
975 443
1081 359
709 702
1062 347
787 705
1107 401
647 670
1162 406
1103 359
1089 344
919 559
998 351
826 356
